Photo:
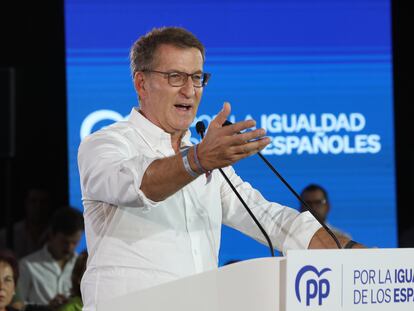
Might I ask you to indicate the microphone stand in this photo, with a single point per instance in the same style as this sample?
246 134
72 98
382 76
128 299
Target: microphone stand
200 128
301 200
296 195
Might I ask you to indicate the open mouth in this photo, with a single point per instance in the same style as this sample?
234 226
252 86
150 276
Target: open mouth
183 107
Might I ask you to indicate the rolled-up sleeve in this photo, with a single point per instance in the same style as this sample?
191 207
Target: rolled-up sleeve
110 172
286 227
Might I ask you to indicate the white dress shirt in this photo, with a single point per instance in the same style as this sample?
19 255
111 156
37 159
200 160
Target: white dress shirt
135 243
41 277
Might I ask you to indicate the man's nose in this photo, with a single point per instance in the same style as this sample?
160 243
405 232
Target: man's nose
188 89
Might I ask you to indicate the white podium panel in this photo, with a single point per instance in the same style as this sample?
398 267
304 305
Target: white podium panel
243 286
311 280
351 280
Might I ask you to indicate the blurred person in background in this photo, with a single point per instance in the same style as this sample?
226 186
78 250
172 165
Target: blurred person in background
9 274
46 274
317 198
30 234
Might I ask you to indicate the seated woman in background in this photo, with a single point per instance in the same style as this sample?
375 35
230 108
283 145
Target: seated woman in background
9 274
75 302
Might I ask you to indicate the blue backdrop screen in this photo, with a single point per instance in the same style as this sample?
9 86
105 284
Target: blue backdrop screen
317 75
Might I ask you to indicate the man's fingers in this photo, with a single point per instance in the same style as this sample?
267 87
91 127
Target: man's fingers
222 115
252 147
225 145
238 127
247 136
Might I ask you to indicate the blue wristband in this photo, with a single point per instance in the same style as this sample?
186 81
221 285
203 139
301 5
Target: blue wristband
189 170
200 167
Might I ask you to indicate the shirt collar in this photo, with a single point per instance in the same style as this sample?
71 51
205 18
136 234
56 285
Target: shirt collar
156 137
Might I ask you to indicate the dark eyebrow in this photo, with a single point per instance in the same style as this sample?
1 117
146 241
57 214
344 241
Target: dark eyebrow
178 71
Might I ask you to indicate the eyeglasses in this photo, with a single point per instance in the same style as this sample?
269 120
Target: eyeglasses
177 78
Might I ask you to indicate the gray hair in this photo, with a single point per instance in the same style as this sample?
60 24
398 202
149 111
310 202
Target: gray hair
143 50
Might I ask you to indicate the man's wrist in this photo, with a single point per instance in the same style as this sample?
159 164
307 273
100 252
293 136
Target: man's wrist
186 156
197 161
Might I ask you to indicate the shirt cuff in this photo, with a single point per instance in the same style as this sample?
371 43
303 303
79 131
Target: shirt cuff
301 232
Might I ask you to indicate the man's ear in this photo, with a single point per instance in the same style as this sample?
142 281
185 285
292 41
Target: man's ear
139 83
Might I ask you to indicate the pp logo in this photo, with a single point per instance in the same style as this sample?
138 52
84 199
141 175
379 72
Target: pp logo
316 287
98 116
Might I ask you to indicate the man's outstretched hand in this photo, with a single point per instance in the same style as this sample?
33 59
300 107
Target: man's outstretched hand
224 145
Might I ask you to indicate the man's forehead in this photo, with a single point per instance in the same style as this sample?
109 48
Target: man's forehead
167 53
314 193
69 236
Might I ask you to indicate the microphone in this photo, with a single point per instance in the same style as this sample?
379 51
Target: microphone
321 222
201 128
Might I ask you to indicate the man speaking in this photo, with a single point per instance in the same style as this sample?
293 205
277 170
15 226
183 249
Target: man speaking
153 202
